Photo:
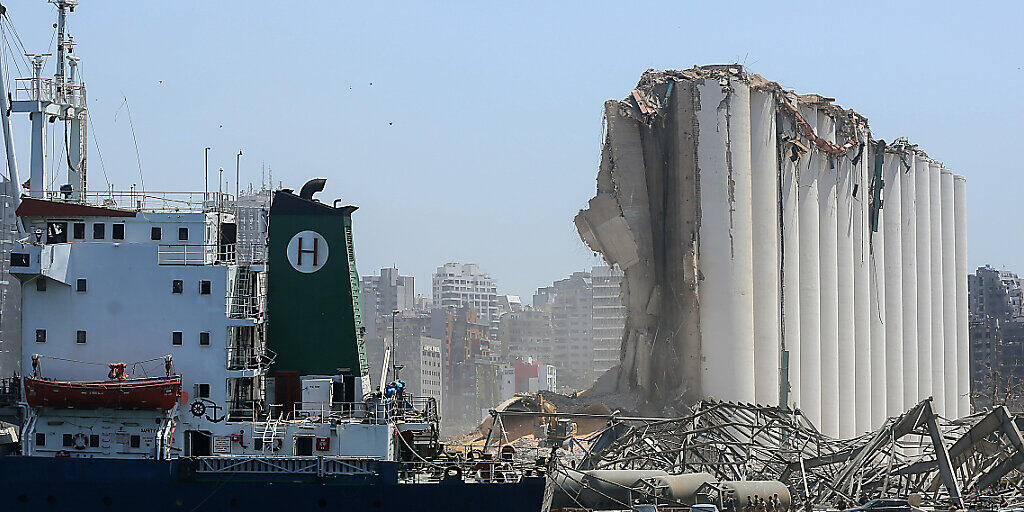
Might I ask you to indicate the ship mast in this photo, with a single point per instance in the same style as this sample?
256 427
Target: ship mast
62 98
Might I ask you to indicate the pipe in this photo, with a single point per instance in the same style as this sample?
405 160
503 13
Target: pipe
312 187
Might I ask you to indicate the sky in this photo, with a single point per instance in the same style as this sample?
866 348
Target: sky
470 131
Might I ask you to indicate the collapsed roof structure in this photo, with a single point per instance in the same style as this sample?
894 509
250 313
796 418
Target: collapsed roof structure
971 460
774 253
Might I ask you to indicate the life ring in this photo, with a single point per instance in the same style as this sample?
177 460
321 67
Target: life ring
198 408
80 441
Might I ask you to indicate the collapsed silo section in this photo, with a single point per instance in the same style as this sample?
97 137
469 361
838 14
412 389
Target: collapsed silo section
773 251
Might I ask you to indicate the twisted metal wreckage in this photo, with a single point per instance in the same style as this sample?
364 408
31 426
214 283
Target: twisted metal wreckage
968 461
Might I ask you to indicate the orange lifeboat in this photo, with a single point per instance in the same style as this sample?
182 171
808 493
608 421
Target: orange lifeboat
148 393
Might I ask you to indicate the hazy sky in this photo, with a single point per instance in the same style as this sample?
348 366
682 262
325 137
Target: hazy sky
470 131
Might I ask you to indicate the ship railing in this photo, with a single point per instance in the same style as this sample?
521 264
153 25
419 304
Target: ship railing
48 89
477 471
248 357
361 412
413 409
140 200
276 465
243 408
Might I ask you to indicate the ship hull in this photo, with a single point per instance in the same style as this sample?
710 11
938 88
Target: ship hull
86 485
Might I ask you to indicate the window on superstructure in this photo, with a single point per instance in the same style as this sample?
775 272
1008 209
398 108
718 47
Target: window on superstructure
99 231
155 233
117 231
56 232
176 338
80 337
94 440
204 339
78 231
177 286
204 287
40 335
67 440
183 234
135 441
40 439
41 284
203 390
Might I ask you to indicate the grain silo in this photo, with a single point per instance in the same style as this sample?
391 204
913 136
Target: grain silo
773 251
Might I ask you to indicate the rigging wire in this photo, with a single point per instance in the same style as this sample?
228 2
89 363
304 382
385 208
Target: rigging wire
138 155
17 37
96 144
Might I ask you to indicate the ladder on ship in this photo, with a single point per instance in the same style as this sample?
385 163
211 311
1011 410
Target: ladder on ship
269 436
242 303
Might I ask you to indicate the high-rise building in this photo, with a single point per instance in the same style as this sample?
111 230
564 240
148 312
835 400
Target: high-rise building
381 294
570 303
526 334
996 306
466 285
609 317
468 375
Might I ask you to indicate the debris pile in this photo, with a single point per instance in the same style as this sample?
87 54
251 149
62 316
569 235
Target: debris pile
969 461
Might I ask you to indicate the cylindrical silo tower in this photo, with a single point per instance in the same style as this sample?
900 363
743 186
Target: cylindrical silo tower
938 293
963 380
862 373
810 281
726 295
892 222
764 195
922 213
790 253
949 311
829 307
847 330
908 246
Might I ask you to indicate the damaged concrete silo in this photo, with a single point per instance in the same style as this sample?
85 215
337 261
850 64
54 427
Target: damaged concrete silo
749 222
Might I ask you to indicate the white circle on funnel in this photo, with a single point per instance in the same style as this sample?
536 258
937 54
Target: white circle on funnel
307 251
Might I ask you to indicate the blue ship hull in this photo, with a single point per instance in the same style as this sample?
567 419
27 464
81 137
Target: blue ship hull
86 485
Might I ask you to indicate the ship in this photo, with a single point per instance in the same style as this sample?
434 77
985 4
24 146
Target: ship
205 350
